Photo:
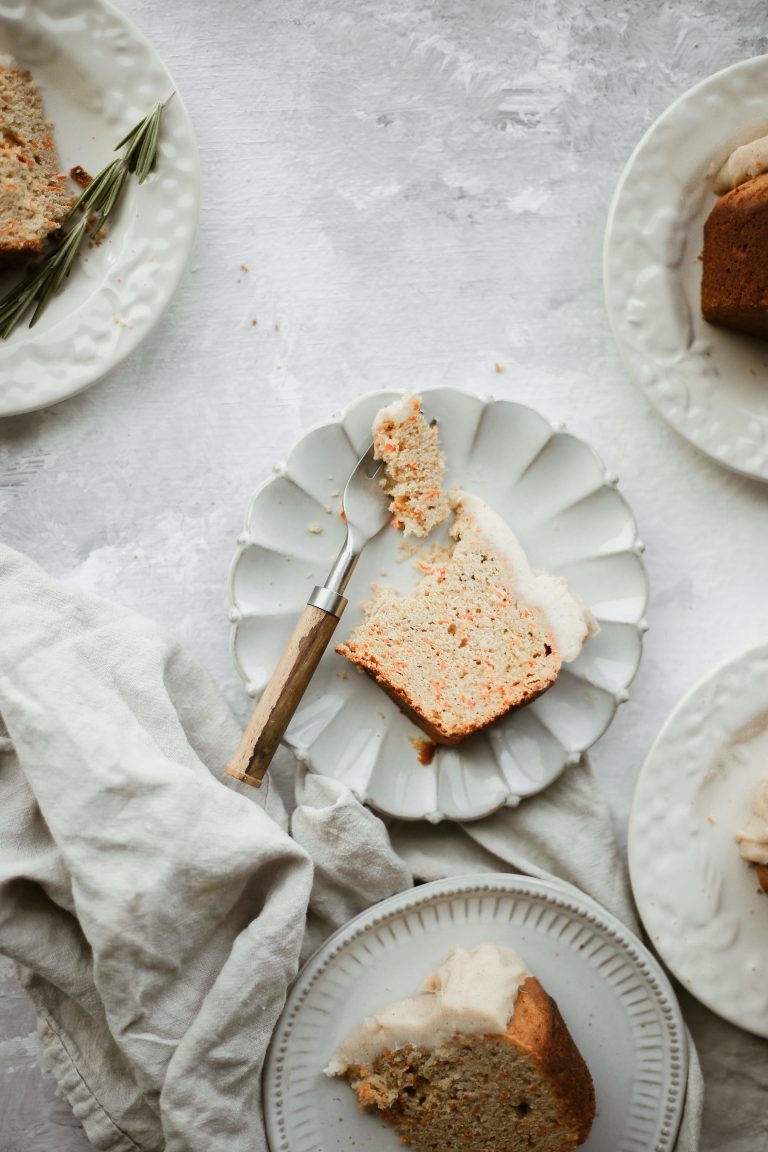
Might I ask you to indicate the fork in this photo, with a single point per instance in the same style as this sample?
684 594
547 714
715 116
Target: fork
365 511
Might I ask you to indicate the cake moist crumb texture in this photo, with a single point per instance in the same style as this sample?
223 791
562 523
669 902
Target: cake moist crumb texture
413 465
463 647
34 198
525 1089
734 284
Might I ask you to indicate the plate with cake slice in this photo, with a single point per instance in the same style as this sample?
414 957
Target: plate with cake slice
698 841
684 266
75 77
490 1011
493 626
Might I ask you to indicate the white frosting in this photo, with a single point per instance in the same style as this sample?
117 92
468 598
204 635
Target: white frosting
743 164
472 991
569 618
398 411
753 837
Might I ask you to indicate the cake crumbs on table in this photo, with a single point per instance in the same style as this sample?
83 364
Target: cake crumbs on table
314 528
499 367
712 819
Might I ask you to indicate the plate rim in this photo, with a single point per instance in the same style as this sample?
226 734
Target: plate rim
696 89
134 338
338 418
564 898
633 856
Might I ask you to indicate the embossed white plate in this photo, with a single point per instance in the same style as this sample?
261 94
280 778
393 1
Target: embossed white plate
700 902
98 77
708 383
613 996
571 520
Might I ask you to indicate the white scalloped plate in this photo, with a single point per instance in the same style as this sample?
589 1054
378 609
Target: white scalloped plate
700 902
98 77
571 520
615 999
708 383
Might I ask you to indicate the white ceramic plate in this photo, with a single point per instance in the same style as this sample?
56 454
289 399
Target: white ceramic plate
710 384
571 520
698 899
615 999
98 77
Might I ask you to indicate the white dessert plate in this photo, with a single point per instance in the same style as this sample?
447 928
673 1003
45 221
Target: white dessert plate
614 998
98 77
553 490
708 383
701 904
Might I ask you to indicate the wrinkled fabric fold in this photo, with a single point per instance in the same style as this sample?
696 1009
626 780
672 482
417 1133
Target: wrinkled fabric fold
157 912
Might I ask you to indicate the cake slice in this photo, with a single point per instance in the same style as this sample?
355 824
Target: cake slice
480 1060
753 837
734 283
479 634
413 465
34 198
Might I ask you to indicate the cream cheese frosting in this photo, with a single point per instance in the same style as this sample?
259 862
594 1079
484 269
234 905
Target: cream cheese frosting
753 837
569 618
398 411
743 164
474 990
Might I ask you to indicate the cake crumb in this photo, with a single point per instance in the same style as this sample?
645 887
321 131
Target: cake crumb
342 675
711 819
254 323
243 267
335 492
80 176
499 367
315 528
425 749
327 508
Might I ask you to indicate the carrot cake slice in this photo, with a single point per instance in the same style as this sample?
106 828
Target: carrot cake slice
479 634
753 837
414 466
481 1059
34 198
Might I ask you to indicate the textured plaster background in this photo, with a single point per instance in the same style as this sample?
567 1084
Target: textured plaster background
419 192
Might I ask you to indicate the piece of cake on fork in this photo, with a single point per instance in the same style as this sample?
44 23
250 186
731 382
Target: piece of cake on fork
414 466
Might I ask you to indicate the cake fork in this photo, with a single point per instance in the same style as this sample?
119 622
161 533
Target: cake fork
365 511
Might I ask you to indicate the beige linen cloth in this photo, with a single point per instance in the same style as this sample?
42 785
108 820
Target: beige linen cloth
157 915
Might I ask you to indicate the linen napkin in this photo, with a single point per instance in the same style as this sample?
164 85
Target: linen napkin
157 912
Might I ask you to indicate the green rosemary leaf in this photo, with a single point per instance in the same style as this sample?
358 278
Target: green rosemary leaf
58 268
141 153
110 196
92 198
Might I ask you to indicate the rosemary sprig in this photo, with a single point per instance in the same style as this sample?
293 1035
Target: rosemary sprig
44 279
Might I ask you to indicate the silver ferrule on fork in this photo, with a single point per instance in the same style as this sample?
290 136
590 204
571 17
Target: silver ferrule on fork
329 595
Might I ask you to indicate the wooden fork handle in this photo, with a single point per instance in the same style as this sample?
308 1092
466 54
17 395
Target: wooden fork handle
281 697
